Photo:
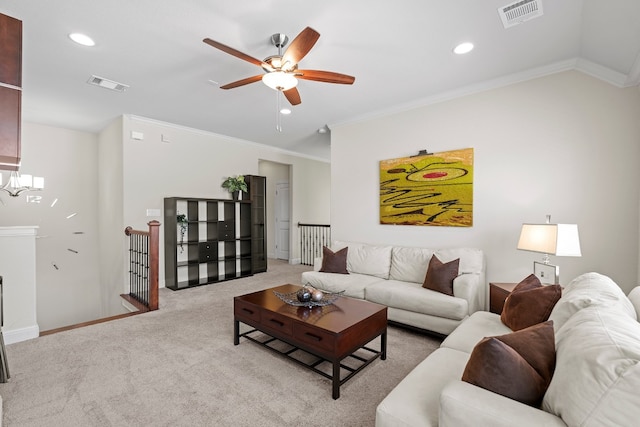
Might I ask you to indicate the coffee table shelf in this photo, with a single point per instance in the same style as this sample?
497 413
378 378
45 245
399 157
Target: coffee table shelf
290 353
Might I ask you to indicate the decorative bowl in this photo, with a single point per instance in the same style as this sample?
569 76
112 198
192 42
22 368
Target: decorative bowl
292 299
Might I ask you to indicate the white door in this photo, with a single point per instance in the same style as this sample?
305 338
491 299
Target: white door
282 220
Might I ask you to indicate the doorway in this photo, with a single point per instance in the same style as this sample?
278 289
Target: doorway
277 232
283 222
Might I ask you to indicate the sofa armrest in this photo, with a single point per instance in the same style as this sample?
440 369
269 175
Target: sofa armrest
463 404
470 287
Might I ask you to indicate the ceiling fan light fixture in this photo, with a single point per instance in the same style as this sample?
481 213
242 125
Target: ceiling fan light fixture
279 80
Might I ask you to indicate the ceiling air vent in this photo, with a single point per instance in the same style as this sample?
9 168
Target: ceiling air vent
107 84
520 11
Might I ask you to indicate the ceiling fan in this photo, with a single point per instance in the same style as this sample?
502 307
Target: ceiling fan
281 70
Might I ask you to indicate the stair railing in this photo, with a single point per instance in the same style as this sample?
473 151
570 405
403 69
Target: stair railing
312 238
143 267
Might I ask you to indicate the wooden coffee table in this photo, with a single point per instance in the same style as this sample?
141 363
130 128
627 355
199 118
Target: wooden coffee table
331 333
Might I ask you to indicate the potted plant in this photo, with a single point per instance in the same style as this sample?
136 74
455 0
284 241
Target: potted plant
182 222
235 185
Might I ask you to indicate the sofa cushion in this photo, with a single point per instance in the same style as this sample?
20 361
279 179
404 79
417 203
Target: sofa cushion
413 297
479 325
409 264
465 405
353 285
529 303
334 262
518 365
440 275
471 259
428 322
634 297
586 290
415 400
597 375
367 259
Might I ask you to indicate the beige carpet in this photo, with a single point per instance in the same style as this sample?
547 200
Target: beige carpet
178 367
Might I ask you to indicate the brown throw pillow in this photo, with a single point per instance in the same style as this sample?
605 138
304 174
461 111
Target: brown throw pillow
518 365
334 262
529 303
440 276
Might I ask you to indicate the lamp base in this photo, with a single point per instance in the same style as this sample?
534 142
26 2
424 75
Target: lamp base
548 274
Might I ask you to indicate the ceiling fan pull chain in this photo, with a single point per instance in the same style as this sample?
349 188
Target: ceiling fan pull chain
278 115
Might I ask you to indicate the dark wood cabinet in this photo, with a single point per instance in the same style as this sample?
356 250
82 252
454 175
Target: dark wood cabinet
257 187
10 91
215 246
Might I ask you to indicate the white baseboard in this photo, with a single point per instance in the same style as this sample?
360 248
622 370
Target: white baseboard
23 334
295 261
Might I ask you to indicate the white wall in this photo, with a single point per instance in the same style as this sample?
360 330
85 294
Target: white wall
18 271
315 196
566 145
194 164
67 160
109 180
112 240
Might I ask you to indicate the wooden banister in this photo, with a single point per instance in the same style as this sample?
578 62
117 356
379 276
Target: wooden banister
148 255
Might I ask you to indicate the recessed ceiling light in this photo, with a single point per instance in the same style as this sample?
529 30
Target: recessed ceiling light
82 39
463 48
285 111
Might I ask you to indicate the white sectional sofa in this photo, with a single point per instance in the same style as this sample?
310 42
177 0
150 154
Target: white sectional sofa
393 276
595 383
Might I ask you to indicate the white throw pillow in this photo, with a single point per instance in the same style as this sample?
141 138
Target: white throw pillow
363 258
471 260
410 264
586 290
597 375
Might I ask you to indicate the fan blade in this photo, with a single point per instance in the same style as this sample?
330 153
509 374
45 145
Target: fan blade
325 76
300 46
236 53
293 96
242 82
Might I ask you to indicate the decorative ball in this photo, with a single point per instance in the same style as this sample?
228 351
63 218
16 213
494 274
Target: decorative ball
303 295
317 295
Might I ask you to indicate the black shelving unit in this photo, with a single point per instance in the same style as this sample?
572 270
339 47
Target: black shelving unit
257 187
216 245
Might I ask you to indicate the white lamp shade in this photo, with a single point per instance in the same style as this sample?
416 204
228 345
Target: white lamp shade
553 239
279 80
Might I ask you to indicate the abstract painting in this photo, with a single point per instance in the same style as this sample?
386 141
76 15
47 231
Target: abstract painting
428 189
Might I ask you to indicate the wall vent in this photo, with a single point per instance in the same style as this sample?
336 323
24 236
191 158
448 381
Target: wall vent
107 84
519 12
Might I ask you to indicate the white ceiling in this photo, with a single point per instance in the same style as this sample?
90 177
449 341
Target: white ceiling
399 52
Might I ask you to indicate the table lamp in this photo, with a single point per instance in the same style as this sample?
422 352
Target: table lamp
549 239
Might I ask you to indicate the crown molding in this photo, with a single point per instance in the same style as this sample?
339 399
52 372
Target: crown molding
229 138
600 72
633 79
466 91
